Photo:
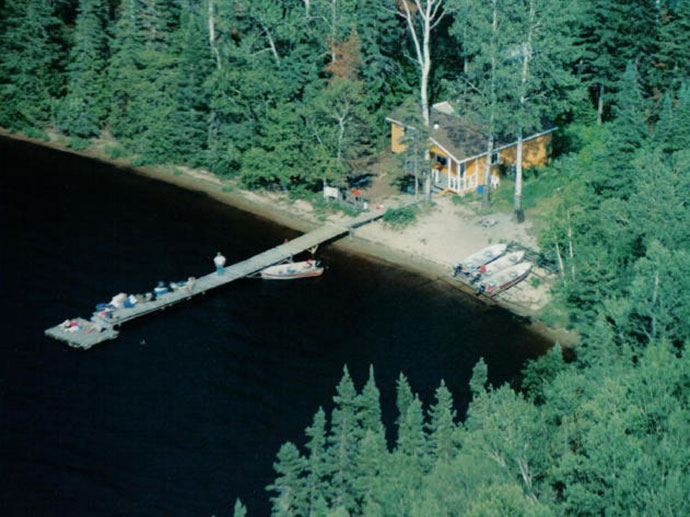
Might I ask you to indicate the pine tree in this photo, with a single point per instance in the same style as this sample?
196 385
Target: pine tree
442 425
480 378
380 36
188 125
289 484
143 77
316 482
240 510
342 444
404 398
672 59
30 67
372 450
614 32
628 135
83 109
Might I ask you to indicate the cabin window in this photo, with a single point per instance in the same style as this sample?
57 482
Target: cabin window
494 159
463 168
441 160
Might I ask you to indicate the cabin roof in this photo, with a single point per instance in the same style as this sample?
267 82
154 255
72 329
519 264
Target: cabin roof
456 134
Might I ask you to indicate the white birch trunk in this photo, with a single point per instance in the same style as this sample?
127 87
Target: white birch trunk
600 104
271 44
526 56
428 11
490 142
518 180
561 268
487 171
212 32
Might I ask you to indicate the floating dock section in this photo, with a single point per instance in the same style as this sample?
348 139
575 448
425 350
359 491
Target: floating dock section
84 334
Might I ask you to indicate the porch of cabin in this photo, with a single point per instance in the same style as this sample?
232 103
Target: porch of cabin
450 175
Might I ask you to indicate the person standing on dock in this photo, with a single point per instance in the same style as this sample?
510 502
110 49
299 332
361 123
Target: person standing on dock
219 261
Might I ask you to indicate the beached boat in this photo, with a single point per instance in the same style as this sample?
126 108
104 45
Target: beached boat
292 270
484 256
501 263
504 279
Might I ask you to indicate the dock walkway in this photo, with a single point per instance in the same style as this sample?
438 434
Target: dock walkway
85 334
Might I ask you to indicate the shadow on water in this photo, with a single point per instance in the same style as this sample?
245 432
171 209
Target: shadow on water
186 410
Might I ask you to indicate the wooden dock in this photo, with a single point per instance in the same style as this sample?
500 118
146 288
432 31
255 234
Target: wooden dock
84 334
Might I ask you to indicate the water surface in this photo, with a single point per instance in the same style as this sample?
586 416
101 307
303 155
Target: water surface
186 410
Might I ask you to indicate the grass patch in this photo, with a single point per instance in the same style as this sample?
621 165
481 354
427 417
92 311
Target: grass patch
401 217
228 188
177 172
535 281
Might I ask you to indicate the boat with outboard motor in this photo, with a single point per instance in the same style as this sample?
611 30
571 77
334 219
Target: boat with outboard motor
293 270
481 257
504 279
501 263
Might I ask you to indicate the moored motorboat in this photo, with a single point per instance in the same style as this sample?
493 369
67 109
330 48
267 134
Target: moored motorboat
292 270
481 257
504 279
501 263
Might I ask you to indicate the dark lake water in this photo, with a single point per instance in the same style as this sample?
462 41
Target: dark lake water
186 410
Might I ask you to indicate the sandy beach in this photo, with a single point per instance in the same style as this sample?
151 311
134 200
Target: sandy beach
443 234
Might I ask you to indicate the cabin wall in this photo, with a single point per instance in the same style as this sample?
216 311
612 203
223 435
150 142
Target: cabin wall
535 152
397 134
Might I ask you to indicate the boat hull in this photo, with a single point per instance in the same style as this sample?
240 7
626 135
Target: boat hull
292 271
476 260
505 279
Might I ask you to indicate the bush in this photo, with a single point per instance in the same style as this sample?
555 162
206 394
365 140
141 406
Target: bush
401 217
32 132
115 151
78 144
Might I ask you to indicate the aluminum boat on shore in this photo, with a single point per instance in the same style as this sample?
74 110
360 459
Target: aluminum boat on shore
482 257
504 279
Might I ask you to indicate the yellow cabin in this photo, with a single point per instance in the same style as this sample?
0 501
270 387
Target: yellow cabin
458 150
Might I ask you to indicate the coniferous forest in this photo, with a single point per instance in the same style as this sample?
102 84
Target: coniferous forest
289 94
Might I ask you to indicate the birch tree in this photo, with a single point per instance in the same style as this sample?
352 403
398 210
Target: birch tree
422 17
543 84
486 73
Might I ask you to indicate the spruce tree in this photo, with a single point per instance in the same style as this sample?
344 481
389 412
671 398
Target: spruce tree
189 122
30 63
240 510
316 488
372 451
672 59
441 425
404 398
342 444
289 485
143 76
628 135
83 110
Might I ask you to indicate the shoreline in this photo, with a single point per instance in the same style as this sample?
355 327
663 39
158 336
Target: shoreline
263 206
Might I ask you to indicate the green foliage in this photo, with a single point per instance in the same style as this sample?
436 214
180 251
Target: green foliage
116 151
30 68
595 439
39 134
83 109
401 217
240 510
79 144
